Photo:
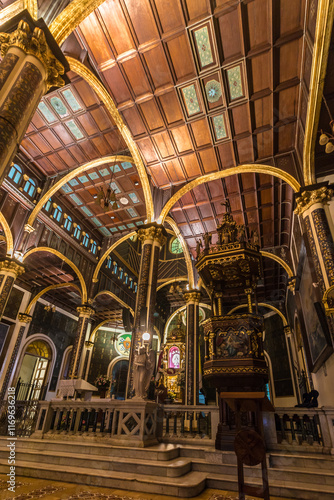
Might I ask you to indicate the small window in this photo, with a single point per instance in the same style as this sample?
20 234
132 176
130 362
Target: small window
68 223
77 232
126 281
30 187
15 173
135 289
175 246
57 213
109 263
121 272
85 240
115 268
47 205
131 283
93 248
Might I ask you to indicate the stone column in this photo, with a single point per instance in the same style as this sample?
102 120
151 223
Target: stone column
9 271
85 315
311 203
24 320
153 237
192 298
27 70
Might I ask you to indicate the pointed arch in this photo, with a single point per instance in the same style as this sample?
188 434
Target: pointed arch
65 259
279 260
240 169
262 304
46 290
8 234
108 292
107 252
185 249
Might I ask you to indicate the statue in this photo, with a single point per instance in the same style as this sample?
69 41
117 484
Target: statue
198 247
255 238
144 366
241 234
227 204
207 240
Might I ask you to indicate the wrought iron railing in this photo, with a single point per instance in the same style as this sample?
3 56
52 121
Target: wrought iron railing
190 422
24 423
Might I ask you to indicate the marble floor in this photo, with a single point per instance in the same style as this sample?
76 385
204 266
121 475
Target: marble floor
33 489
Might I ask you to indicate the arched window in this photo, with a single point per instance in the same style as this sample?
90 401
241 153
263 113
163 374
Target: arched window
68 223
93 248
109 263
30 187
135 289
15 173
131 283
47 205
57 213
114 271
77 232
121 272
126 280
85 240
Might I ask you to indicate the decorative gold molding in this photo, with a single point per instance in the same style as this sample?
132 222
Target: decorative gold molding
240 169
308 198
8 265
89 345
261 304
287 331
67 178
8 234
107 292
192 296
35 44
107 252
279 260
152 233
92 335
24 318
65 259
170 281
71 17
86 311
185 249
329 309
292 284
16 7
45 290
104 96
32 7
321 46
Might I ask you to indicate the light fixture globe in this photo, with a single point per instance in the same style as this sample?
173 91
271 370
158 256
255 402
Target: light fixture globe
323 139
329 147
146 336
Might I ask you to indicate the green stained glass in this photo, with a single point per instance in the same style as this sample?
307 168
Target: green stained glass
68 94
58 106
219 126
203 46
190 99
235 83
50 117
175 246
74 129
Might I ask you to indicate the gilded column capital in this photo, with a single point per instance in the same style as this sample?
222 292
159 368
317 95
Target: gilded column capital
192 296
287 330
85 311
292 283
154 233
89 344
308 198
9 265
24 318
34 43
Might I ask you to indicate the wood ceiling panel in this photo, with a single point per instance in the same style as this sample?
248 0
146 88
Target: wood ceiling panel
171 107
170 14
96 39
266 196
191 166
46 166
179 216
286 137
245 150
250 200
159 176
88 124
67 158
117 26
230 34
152 115
197 8
290 60
40 143
231 184
184 66
187 199
89 149
158 67
292 15
38 121
263 111
117 85
205 211
164 145
134 121
175 171
51 138
264 143
101 118
102 146
209 160
248 182
147 150
200 193
31 148
288 103
78 154
63 135
216 189
267 213
201 133
192 215
115 141
182 139
86 93
136 75
56 161
252 217
241 119
226 154
261 68
236 204
259 23
142 20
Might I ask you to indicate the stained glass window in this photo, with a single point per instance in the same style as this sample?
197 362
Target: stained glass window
85 240
68 223
15 173
57 213
77 232
30 187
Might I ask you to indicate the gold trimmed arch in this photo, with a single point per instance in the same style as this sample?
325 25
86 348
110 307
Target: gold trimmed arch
180 309
92 335
279 260
107 252
71 17
65 259
108 292
321 46
169 282
185 249
8 234
32 7
240 169
68 177
105 97
262 304
45 290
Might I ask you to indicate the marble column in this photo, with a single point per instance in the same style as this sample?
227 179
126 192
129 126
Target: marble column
24 320
153 237
192 298
9 271
27 70
311 206
85 315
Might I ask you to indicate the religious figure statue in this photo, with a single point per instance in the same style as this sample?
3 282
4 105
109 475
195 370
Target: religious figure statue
207 240
255 238
241 233
198 247
144 366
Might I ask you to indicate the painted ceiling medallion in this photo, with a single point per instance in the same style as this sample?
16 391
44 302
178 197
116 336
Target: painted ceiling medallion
213 91
191 101
203 46
235 82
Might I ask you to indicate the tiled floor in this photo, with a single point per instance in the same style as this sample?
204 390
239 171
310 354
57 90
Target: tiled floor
31 489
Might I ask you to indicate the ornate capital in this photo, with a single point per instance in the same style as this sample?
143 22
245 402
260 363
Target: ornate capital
192 296
154 233
85 311
89 344
35 44
24 318
287 331
8 265
308 198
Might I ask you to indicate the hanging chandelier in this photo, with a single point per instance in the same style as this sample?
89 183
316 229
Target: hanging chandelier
326 139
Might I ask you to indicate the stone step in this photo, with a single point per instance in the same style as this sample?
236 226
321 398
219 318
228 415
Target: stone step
172 468
307 461
279 488
189 485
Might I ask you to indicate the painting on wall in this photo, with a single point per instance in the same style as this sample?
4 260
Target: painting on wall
318 345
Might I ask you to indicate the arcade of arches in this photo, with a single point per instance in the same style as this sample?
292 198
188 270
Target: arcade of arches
168 172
